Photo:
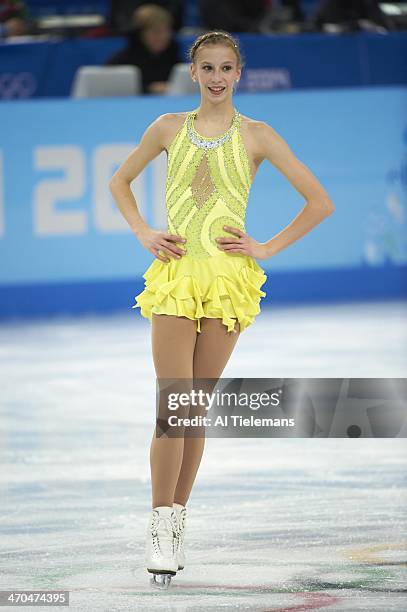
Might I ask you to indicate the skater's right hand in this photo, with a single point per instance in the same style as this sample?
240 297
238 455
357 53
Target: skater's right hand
158 240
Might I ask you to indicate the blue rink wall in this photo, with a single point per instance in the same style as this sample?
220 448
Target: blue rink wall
65 248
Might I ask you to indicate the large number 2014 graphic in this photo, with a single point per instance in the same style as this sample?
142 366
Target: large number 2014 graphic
49 219
55 207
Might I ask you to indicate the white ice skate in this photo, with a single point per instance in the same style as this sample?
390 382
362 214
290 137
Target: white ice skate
181 520
161 549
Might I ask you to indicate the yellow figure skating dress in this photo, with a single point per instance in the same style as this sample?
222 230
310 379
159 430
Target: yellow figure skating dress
207 187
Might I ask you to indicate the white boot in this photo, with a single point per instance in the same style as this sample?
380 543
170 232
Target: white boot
161 549
181 521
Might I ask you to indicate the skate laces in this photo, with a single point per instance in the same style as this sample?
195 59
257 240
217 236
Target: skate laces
181 527
163 531
181 520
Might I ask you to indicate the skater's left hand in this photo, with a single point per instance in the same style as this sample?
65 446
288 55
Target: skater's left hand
241 242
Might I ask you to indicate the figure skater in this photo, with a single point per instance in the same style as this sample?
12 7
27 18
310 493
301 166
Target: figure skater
204 286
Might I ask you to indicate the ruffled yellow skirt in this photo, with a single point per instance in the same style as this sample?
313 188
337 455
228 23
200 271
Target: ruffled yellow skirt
224 286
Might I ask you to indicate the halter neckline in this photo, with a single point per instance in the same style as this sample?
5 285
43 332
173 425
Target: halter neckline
192 119
210 142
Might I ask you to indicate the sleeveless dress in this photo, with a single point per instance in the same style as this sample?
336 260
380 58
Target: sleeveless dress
207 187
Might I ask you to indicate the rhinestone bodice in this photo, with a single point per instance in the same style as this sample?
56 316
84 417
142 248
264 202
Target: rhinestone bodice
207 187
209 142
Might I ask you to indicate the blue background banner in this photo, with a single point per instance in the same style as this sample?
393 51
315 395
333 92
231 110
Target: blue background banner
47 69
65 246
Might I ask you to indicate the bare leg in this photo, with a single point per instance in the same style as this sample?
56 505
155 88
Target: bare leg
173 341
213 347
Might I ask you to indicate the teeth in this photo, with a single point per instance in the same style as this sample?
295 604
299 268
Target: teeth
216 88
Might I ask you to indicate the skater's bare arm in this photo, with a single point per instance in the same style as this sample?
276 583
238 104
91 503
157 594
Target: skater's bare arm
271 146
151 144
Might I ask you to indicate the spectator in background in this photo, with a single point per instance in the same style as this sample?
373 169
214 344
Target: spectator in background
351 14
152 47
121 12
13 18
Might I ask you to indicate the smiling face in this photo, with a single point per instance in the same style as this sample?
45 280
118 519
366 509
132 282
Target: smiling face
216 69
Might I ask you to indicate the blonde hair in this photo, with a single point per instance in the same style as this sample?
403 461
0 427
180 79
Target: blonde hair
216 37
148 16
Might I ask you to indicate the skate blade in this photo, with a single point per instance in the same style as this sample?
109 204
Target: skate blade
161 581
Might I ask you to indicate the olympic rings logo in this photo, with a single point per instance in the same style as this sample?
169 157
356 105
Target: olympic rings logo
17 85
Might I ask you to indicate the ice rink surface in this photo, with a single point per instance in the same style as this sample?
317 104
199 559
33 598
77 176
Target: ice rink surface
273 524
